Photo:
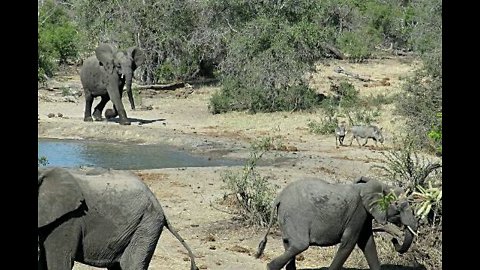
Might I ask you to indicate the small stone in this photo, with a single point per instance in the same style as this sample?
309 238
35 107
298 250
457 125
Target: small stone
50 115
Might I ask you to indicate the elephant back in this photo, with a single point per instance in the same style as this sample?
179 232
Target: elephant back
116 189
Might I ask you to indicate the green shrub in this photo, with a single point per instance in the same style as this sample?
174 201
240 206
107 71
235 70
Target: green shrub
362 116
435 135
326 126
378 100
358 45
406 167
408 170
264 69
421 104
349 96
57 38
254 194
46 60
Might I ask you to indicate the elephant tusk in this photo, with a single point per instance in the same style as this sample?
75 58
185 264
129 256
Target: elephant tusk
411 230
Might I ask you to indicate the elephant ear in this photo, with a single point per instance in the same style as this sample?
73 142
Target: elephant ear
137 55
371 192
104 54
58 194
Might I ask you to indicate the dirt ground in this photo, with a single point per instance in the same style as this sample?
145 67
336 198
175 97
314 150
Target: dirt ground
193 197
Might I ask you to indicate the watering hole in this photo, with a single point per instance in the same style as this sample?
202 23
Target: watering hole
76 153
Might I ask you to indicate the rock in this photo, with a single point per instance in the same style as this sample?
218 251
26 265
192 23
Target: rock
50 115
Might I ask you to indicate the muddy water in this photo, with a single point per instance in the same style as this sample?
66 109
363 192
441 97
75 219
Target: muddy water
75 153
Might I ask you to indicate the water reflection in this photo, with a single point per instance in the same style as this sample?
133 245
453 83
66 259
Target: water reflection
74 153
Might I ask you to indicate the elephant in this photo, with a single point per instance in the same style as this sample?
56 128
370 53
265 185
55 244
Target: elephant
99 217
313 212
105 74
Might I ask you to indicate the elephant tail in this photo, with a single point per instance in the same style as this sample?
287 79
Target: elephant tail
169 226
263 243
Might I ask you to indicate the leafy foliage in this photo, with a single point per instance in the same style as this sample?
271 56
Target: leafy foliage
261 50
385 201
57 38
412 172
422 101
254 194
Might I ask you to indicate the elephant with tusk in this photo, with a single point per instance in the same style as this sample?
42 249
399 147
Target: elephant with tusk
313 212
105 74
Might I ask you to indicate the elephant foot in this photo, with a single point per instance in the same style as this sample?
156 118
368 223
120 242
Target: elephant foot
110 113
97 116
88 119
124 122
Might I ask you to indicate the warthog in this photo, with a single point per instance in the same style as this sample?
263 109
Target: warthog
340 133
366 132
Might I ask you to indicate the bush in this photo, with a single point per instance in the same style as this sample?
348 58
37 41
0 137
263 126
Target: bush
435 135
46 60
421 104
408 170
57 39
348 95
326 126
362 116
359 46
254 194
264 69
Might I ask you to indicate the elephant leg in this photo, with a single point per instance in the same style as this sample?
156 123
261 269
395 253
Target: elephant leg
291 264
139 252
116 266
42 260
341 138
346 246
351 140
60 246
291 250
97 112
367 244
118 107
88 106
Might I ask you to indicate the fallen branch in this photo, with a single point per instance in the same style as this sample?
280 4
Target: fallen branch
356 76
334 50
170 86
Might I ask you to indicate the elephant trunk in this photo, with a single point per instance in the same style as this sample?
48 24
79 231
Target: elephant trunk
407 242
407 218
128 82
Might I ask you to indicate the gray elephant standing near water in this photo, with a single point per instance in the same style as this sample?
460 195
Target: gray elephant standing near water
314 212
105 74
366 132
103 218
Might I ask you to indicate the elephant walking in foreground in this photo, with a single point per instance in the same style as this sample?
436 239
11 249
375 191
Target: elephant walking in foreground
102 218
105 74
316 213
